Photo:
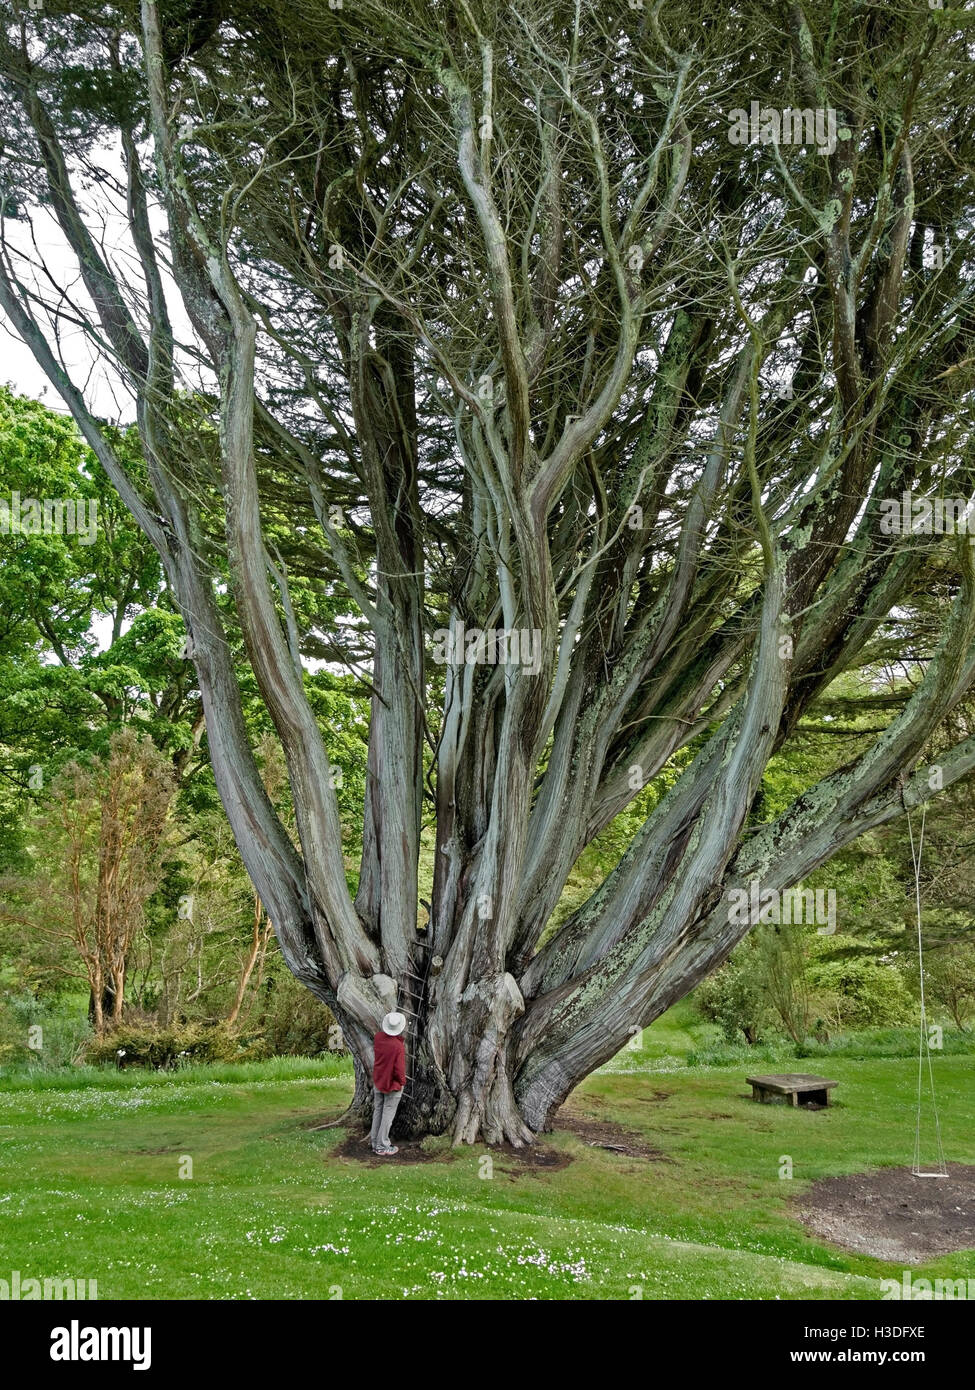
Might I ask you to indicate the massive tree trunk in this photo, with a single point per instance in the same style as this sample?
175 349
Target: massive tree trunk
514 337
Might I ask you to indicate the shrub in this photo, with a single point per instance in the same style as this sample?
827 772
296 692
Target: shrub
861 993
171 1047
733 998
59 1034
294 1023
781 1053
949 980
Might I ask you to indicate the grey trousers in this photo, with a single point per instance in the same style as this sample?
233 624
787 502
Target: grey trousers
384 1106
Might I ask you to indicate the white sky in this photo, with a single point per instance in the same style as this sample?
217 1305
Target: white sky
41 242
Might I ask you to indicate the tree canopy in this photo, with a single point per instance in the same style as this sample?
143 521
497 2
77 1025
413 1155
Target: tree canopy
485 318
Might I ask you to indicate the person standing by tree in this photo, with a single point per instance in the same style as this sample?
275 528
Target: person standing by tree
388 1077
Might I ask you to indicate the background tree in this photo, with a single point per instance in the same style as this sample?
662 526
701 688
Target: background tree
89 640
949 981
98 857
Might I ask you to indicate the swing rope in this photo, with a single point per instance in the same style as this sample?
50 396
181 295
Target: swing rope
923 1041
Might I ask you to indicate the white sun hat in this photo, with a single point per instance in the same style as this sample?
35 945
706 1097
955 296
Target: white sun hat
394 1023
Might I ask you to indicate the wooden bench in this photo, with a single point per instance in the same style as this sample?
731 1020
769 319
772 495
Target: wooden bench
792 1085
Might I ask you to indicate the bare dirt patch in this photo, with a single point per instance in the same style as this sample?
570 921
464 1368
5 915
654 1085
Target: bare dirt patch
537 1157
655 1097
604 1134
649 1098
533 1158
892 1214
356 1146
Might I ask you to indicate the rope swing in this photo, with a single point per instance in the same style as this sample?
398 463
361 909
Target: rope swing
924 1045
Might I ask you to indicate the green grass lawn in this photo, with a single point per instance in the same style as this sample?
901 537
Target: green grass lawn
90 1187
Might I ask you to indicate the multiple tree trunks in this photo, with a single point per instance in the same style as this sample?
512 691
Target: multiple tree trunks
493 315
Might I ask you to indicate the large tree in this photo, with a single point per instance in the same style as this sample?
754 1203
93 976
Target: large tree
492 306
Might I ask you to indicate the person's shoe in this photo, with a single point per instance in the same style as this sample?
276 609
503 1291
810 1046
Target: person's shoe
388 1152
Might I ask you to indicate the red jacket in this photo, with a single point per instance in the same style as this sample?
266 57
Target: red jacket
389 1068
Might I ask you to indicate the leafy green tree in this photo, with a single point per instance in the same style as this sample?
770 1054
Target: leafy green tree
949 981
97 855
84 646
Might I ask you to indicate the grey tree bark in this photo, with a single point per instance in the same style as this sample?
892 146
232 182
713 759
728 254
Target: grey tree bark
529 343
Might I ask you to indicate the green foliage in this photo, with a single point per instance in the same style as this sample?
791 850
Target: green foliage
858 1046
949 981
861 993
792 980
97 851
734 999
293 1022
170 1048
89 640
781 958
38 1035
